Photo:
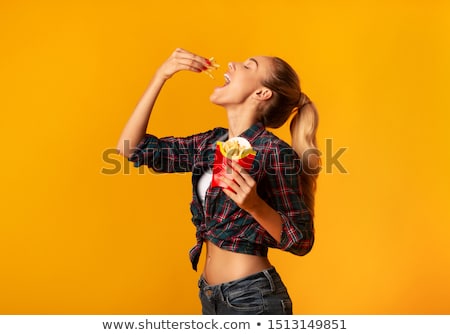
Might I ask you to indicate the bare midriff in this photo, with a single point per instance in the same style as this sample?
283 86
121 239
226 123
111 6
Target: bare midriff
223 266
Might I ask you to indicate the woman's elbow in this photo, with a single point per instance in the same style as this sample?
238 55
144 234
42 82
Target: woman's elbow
123 148
303 246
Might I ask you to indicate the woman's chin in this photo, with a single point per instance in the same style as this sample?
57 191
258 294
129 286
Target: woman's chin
215 99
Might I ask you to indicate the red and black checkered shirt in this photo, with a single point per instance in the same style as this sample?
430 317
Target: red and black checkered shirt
276 170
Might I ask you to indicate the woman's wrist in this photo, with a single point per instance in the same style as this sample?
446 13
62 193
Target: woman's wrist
258 207
160 77
268 218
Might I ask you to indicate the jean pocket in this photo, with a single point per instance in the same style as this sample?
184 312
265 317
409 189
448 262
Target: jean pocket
246 301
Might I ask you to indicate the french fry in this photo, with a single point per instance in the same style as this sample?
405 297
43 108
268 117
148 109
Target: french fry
213 66
236 149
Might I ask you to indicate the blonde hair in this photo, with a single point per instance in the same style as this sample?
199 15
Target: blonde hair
287 99
303 132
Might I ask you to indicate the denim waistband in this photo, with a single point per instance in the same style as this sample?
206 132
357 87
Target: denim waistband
270 273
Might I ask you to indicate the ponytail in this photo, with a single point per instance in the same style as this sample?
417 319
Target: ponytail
303 132
286 99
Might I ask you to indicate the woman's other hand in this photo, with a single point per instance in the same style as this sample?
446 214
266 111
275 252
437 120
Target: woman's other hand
243 187
243 193
180 60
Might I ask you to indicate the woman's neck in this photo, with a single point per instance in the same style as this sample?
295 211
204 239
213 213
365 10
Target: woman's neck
240 121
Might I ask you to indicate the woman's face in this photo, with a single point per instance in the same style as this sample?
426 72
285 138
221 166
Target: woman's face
242 81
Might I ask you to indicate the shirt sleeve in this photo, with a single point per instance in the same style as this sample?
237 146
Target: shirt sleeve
168 154
297 234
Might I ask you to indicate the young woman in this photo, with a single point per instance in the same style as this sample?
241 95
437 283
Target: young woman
269 205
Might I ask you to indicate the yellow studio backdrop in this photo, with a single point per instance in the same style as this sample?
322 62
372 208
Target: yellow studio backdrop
84 232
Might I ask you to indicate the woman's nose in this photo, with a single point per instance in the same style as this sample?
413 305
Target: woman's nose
231 66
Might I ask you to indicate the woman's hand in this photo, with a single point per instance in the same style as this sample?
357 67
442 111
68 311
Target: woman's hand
180 60
245 196
243 188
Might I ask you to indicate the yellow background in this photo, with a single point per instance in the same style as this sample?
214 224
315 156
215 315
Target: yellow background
76 240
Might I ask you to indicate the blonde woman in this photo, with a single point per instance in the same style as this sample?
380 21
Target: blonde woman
270 205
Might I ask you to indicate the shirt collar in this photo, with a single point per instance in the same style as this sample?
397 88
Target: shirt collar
253 132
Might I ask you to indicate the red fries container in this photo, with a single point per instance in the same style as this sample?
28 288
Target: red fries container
222 160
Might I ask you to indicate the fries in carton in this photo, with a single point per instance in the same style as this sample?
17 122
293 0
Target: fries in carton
236 149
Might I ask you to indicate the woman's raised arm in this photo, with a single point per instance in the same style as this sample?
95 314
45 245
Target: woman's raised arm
136 126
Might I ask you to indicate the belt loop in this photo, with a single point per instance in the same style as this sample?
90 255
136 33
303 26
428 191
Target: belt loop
220 290
202 282
270 279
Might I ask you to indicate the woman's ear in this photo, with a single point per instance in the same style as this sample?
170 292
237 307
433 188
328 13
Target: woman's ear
263 93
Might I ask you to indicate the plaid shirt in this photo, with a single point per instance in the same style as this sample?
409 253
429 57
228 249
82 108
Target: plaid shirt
275 169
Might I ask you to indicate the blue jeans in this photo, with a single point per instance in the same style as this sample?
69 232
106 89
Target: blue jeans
260 293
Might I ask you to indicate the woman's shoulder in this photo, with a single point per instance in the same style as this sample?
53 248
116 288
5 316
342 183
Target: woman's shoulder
271 141
276 154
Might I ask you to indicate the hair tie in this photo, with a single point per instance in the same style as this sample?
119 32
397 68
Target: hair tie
306 103
303 100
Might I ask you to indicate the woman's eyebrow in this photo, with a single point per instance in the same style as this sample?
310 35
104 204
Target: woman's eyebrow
252 59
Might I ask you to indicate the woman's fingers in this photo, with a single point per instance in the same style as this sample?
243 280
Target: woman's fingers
241 176
180 60
241 187
190 60
238 179
231 184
